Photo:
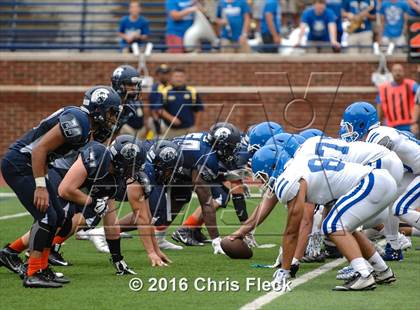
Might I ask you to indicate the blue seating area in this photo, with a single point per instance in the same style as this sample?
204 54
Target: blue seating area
71 25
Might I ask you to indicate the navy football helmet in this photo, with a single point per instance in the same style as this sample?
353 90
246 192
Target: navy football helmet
123 77
103 105
167 160
225 139
128 156
358 119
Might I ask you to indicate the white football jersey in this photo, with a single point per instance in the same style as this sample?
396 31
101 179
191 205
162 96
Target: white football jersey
406 147
355 152
327 178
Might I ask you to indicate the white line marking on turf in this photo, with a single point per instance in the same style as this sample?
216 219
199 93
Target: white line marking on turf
12 216
269 297
7 195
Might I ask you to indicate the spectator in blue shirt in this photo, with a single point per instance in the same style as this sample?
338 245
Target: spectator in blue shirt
322 27
233 16
414 7
394 16
133 27
336 6
179 17
180 106
359 13
270 26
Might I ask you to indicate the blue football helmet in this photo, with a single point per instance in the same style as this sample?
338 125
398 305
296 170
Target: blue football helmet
300 139
287 141
265 164
261 133
311 132
358 119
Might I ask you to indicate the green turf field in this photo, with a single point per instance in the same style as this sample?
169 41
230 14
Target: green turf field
94 284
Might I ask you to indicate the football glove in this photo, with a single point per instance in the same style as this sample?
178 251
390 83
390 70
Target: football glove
217 248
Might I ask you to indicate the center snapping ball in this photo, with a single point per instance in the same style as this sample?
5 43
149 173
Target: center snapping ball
236 249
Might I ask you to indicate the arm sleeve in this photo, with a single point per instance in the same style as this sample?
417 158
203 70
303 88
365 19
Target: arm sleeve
331 18
219 10
378 99
245 7
199 104
171 6
305 17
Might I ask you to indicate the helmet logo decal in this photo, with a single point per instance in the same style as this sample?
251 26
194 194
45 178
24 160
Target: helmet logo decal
117 72
130 151
100 95
222 133
167 154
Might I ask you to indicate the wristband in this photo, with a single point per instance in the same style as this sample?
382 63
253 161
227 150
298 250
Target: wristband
40 182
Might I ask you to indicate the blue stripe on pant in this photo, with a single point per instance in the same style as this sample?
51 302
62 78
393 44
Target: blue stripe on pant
357 195
406 204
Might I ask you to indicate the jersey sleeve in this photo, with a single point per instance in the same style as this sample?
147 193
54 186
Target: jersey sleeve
121 27
245 7
145 27
171 5
96 160
384 136
305 17
286 188
75 126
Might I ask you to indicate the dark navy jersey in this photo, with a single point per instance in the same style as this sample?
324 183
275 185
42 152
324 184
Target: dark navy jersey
242 157
132 114
198 155
75 127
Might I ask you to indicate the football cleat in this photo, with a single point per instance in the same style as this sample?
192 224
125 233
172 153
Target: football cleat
345 273
385 277
22 270
10 259
199 236
313 259
332 252
405 242
185 236
358 283
40 280
97 236
56 258
82 235
122 268
392 254
166 245
56 277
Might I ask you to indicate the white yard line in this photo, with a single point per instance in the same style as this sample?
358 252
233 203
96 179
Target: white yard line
269 297
12 216
7 195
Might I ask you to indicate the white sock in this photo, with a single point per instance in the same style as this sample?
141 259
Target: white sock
415 232
359 264
377 262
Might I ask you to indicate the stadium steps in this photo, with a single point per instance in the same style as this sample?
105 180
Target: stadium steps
46 22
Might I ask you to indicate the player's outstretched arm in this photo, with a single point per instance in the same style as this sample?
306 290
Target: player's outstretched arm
257 217
202 189
141 212
305 230
295 209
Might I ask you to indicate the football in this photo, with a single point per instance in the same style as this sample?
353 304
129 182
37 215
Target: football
236 249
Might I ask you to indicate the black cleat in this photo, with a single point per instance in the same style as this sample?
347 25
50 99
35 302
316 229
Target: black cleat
56 258
10 259
40 280
122 268
199 236
23 270
385 277
332 252
185 236
56 277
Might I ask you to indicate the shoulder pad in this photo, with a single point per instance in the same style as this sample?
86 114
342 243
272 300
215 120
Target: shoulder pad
96 159
75 126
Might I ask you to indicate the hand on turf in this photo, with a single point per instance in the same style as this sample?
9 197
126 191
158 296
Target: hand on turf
163 257
41 198
217 248
156 261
